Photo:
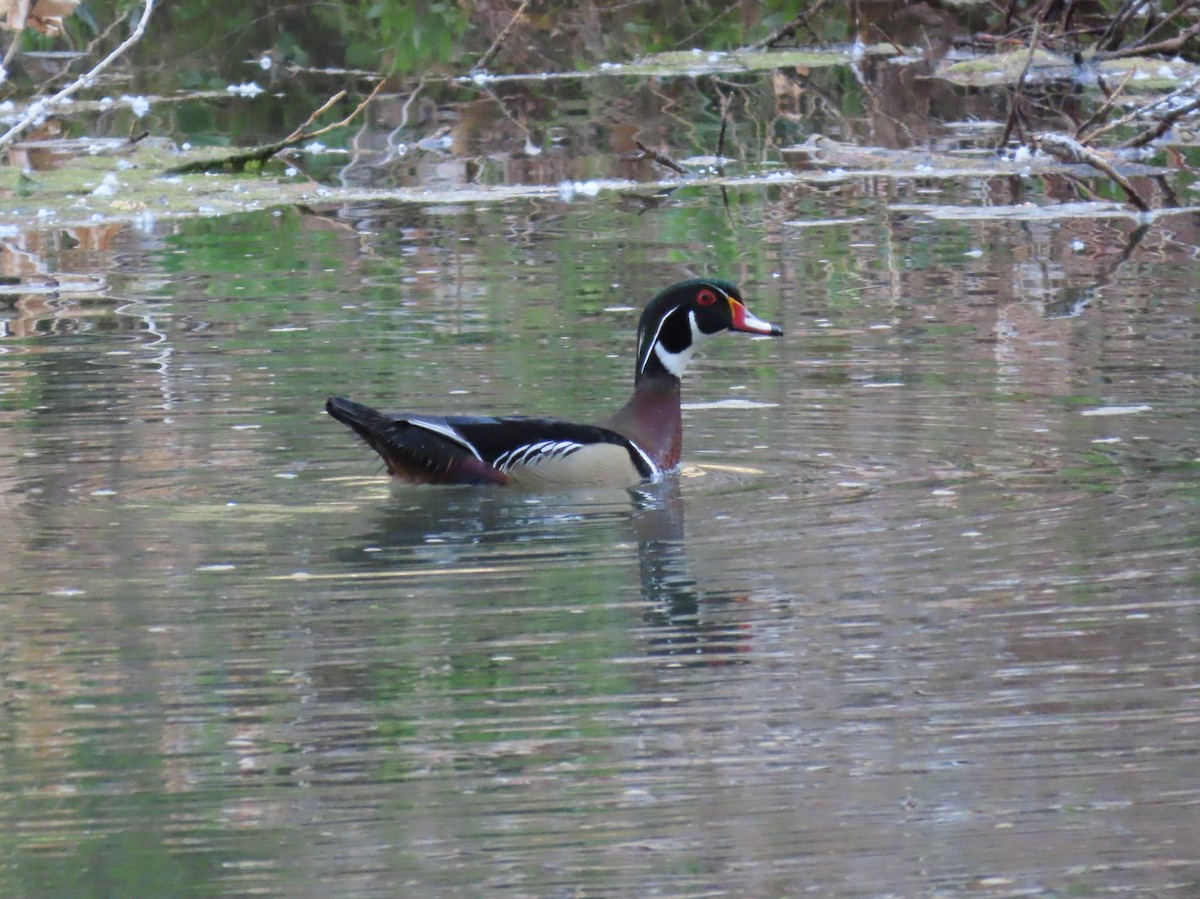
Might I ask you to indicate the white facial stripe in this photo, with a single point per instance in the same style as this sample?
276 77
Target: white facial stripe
446 431
652 345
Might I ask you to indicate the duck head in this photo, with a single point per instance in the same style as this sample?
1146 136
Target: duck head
682 316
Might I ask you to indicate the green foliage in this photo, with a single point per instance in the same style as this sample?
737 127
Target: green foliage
412 36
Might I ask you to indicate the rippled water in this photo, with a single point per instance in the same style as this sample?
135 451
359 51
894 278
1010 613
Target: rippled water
919 616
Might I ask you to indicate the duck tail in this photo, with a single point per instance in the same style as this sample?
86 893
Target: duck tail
410 449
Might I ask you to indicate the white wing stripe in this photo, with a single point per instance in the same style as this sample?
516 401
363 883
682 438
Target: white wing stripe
533 453
654 470
446 431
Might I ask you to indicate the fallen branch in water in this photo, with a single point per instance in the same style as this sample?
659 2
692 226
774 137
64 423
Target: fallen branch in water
655 156
38 110
238 162
1069 150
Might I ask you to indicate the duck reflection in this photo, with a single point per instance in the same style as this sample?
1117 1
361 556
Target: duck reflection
680 610
486 537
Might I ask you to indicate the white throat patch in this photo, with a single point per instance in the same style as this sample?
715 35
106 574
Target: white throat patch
675 363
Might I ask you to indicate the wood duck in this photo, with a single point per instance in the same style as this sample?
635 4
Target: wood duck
639 442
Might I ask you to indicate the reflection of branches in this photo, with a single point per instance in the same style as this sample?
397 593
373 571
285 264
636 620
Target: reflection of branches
726 100
788 30
687 40
499 41
524 129
360 158
1163 114
830 104
1014 115
1105 277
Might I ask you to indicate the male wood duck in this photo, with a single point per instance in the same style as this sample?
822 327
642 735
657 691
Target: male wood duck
640 442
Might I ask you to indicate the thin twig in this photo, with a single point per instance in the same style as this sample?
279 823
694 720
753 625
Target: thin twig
38 110
1113 33
1164 125
1165 99
1170 45
688 40
1165 20
1110 98
320 111
655 156
353 113
782 34
1010 13
1033 42
1072 151
1019 90
495 47
1064 21
887 39
521 126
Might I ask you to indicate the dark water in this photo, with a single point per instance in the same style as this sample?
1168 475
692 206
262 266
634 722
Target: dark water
919 617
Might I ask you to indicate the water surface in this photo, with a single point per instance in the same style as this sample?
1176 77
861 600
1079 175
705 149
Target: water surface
918 617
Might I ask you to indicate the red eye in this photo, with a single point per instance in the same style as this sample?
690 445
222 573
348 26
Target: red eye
706 297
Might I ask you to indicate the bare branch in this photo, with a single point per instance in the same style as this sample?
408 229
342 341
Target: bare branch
38 110
1069 150
1164 125
1116 25
1110 98
1164 100
258 155
1165 20
317 113
1170 45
